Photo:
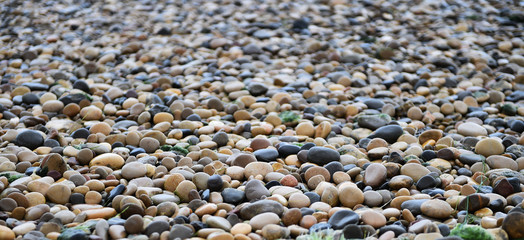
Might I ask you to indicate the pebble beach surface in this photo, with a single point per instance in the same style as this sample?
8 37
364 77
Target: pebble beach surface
328 119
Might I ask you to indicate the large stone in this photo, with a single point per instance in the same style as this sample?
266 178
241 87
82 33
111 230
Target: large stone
322 155
30 139
262 206
471 129
436 209
342 218
255 189
513 225
375 175
390 133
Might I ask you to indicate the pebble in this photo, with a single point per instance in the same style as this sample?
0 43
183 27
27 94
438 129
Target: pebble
436 209
375 175
351 196
30 139
59 193
263 219
489 146
134 170
342 218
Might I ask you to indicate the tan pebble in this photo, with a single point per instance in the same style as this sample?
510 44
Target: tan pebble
373 218
306 129
100 127
163 117
111 160
93 197
35 198
351 196
241 228
100 213
323 130
91 113
59 193
6 233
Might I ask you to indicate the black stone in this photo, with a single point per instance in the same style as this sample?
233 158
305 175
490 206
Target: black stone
428 155
465 172
517 126
426 182
72 98
73 234
30 98
272 184
390 133
471 159
374 103
30 139
266 155
397 229
80 133
233 196
334 167
51 143
288 149
313 197
413 206
352 231
215 183
77 198
322 155
221 138
194 117
81 85
342 218
307 146
261 206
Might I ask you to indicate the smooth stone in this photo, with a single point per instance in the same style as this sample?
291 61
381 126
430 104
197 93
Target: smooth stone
261 206
243 159
413 170
59 193
157 226
497 161
342 218
179 232
255 189
263 219
373 122
471 129
133 170
375 175
436 209
233 196
390 133
134 224
373 218
112 160
30 139
414 206
218 222
215 183
474 202
257 168
266 155
489 146
322 155
512 224
351 196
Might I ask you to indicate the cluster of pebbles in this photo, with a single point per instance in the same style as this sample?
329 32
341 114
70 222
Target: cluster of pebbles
261 119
